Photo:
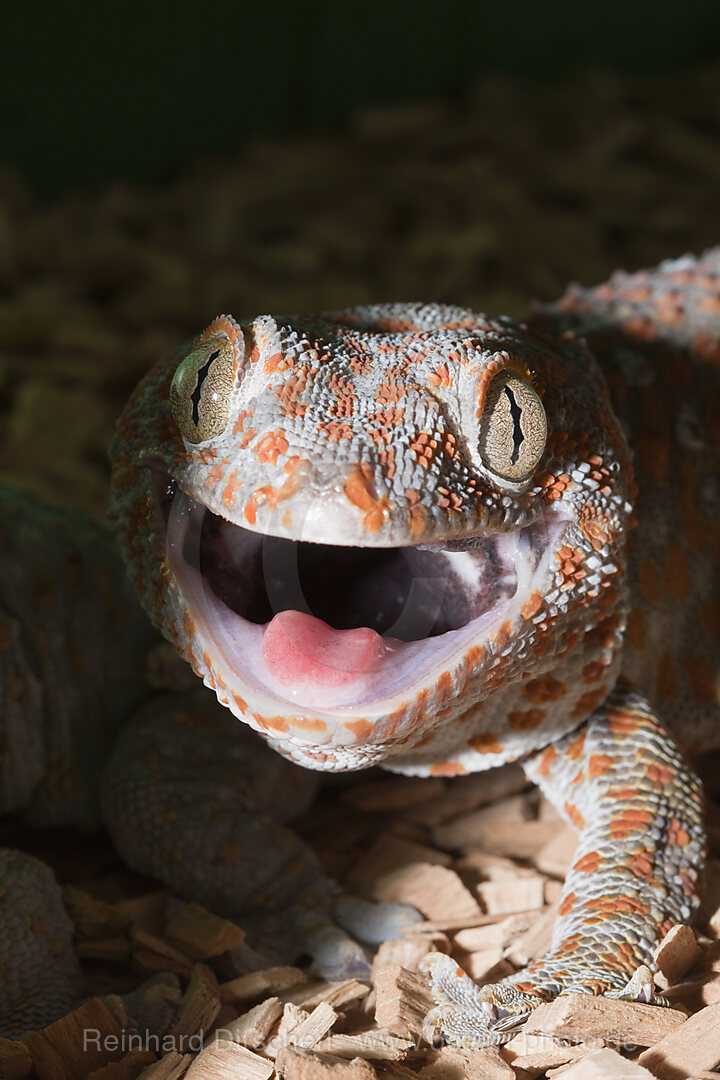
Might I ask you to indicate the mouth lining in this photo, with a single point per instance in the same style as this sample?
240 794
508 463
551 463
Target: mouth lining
401 593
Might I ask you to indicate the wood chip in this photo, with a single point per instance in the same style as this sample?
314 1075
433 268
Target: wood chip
260 983
688 1050
431 926
224 1060
92 918
128 1067
453 1063
253 1027
314 1027
296 1064
339 995
15 1060
604 1064
510 895
434 890
200 934
466 793
113 950
514 839
75 1045
200 1004
487 965
499 933
695 993
292 1017
409 951
152 954
403 1001
536 940
388 854
557 855
677 952
146 912
580 1017
376 1045
395 792
171 1067
535 1054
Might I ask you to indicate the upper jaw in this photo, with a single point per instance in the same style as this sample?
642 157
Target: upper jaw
324 678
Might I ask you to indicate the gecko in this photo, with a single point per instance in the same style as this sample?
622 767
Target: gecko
415 536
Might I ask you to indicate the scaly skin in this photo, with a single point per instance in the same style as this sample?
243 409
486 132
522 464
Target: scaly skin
367 431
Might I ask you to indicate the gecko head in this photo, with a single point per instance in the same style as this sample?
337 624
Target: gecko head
363 528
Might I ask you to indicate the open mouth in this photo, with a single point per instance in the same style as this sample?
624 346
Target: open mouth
327 627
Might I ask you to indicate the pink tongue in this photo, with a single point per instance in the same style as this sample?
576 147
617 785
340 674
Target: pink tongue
301 648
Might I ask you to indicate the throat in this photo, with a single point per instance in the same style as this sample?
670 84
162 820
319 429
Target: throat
406 593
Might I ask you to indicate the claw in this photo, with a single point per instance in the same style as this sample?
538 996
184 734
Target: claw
641 987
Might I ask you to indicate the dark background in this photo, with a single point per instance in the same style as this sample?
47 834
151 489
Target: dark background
162 163
95 92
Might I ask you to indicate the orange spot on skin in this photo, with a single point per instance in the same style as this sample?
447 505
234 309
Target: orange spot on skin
543 689
567 904
259 496
448 768
620 723
362 729
575 748
546 759
660 774
678 834
308 723
239 425
594 671
441 376
269 448
214 475
271 723
444 686
229 491
474 656
589 862
485 743
598 765
526 721
417 515
361 491
574 816
530 609
588 703
629 820
189 627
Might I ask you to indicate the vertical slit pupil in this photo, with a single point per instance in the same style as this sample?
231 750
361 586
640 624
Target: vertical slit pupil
202 375
516 413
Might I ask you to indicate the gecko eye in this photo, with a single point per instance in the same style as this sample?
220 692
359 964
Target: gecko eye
201 388
513 427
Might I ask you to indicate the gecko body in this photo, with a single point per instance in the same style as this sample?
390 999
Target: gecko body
410 535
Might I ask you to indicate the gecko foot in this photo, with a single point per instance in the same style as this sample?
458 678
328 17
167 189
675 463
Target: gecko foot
467 1014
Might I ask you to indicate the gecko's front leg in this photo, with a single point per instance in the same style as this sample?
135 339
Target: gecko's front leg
621 780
